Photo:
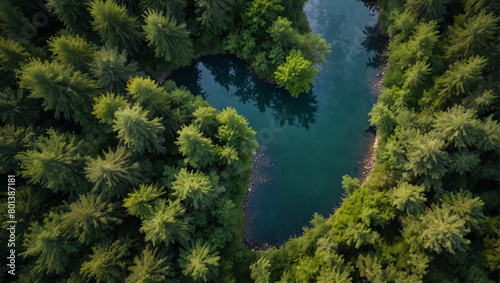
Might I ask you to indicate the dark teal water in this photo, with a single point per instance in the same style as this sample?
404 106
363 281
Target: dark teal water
308 143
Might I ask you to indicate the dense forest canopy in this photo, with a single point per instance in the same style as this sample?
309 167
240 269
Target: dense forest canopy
120 178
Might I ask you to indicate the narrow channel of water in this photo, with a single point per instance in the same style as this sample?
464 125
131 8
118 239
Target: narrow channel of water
308 143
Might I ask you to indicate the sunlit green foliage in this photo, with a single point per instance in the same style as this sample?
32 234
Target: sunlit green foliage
73 51
193 188
106 105
13 140
197 149
12 54
198 262
107 262
141 203
296 74
149 95
408 198
149 268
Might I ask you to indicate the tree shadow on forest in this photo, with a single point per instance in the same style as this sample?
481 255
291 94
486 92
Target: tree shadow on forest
231 72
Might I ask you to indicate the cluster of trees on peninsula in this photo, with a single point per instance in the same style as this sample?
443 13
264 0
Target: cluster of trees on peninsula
430 210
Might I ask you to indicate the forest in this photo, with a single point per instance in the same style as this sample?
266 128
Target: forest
114 174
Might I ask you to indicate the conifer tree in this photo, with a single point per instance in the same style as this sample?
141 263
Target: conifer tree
193 188
13 140
113 24
173 8
107 262
111 69
142 202
260 270
167 225
206 120
427 157
54 252
73 51
417 75
137 132
358 235
403 23
261 14
12 55
170 40
296 74
199 262
349 184
149 95
62 89
465 206
197 149
234 131
106 105
457 126
115 174
443 231
428 9
409 198
90 218
149 268
13 23
464 161
56 163
215 16
18 109
73 14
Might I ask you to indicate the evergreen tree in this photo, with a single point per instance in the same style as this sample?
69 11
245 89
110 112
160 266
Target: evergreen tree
149 95
142 202
111 70
234 131
409 198
261 14
296 74
215 16
415 78
466 207
403 23
206 120
349 184
149 268
137 132
199 262
73 51
114 25
115 174
18 109
168 224
13 23
426 156
443 231
73 14
458 126
53 251
56 163
197 149
61 88
358 235
193 188
260 270
90 218
13 140
106 105
12 55
173 8
170 40
371 268
478 35
464 161
107 262
428 9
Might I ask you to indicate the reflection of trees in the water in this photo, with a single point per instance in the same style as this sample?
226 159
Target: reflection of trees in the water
229 72
374 41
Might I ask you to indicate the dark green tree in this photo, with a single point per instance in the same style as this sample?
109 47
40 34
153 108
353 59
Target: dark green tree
464 205
61 88
173 8
215 16
73 14
457 126
13 140
296 74
428 9
261 14
107 262
72 50
111 69
12 55
170 40
142 202
199 262
137 132
13 23
314 48
113 24
55 162
197 149
193 188
16 108
149 268
115 174
90 218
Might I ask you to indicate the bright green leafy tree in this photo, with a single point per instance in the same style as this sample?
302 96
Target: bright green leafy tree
296 74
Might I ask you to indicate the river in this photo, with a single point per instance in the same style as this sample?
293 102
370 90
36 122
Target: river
306 144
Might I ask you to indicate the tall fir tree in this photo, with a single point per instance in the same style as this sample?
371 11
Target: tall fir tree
199 262
108 262
73 51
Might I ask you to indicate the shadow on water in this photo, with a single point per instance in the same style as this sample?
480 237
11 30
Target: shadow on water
375 42
230 72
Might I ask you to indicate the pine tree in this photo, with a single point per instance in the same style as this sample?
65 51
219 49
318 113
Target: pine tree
107 262
167 225
114 25
193 188
12 55
13 23
18 109
73 51
170 40
61 88
199 262
403 23
142 202
13 140
296 74
149 95
476 36
234 131
371 268
197 149
73 14
464 161
443 231
90 218
149 268
428 9
415 78
457 126
349 184
465 206
261 14
359 234
116 174
56 163
111 70
409 198
106 105
215 16
426 156
54 252
173 8
206 120
137 132
260 270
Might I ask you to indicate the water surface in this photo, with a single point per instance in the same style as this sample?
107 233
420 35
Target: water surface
308 143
